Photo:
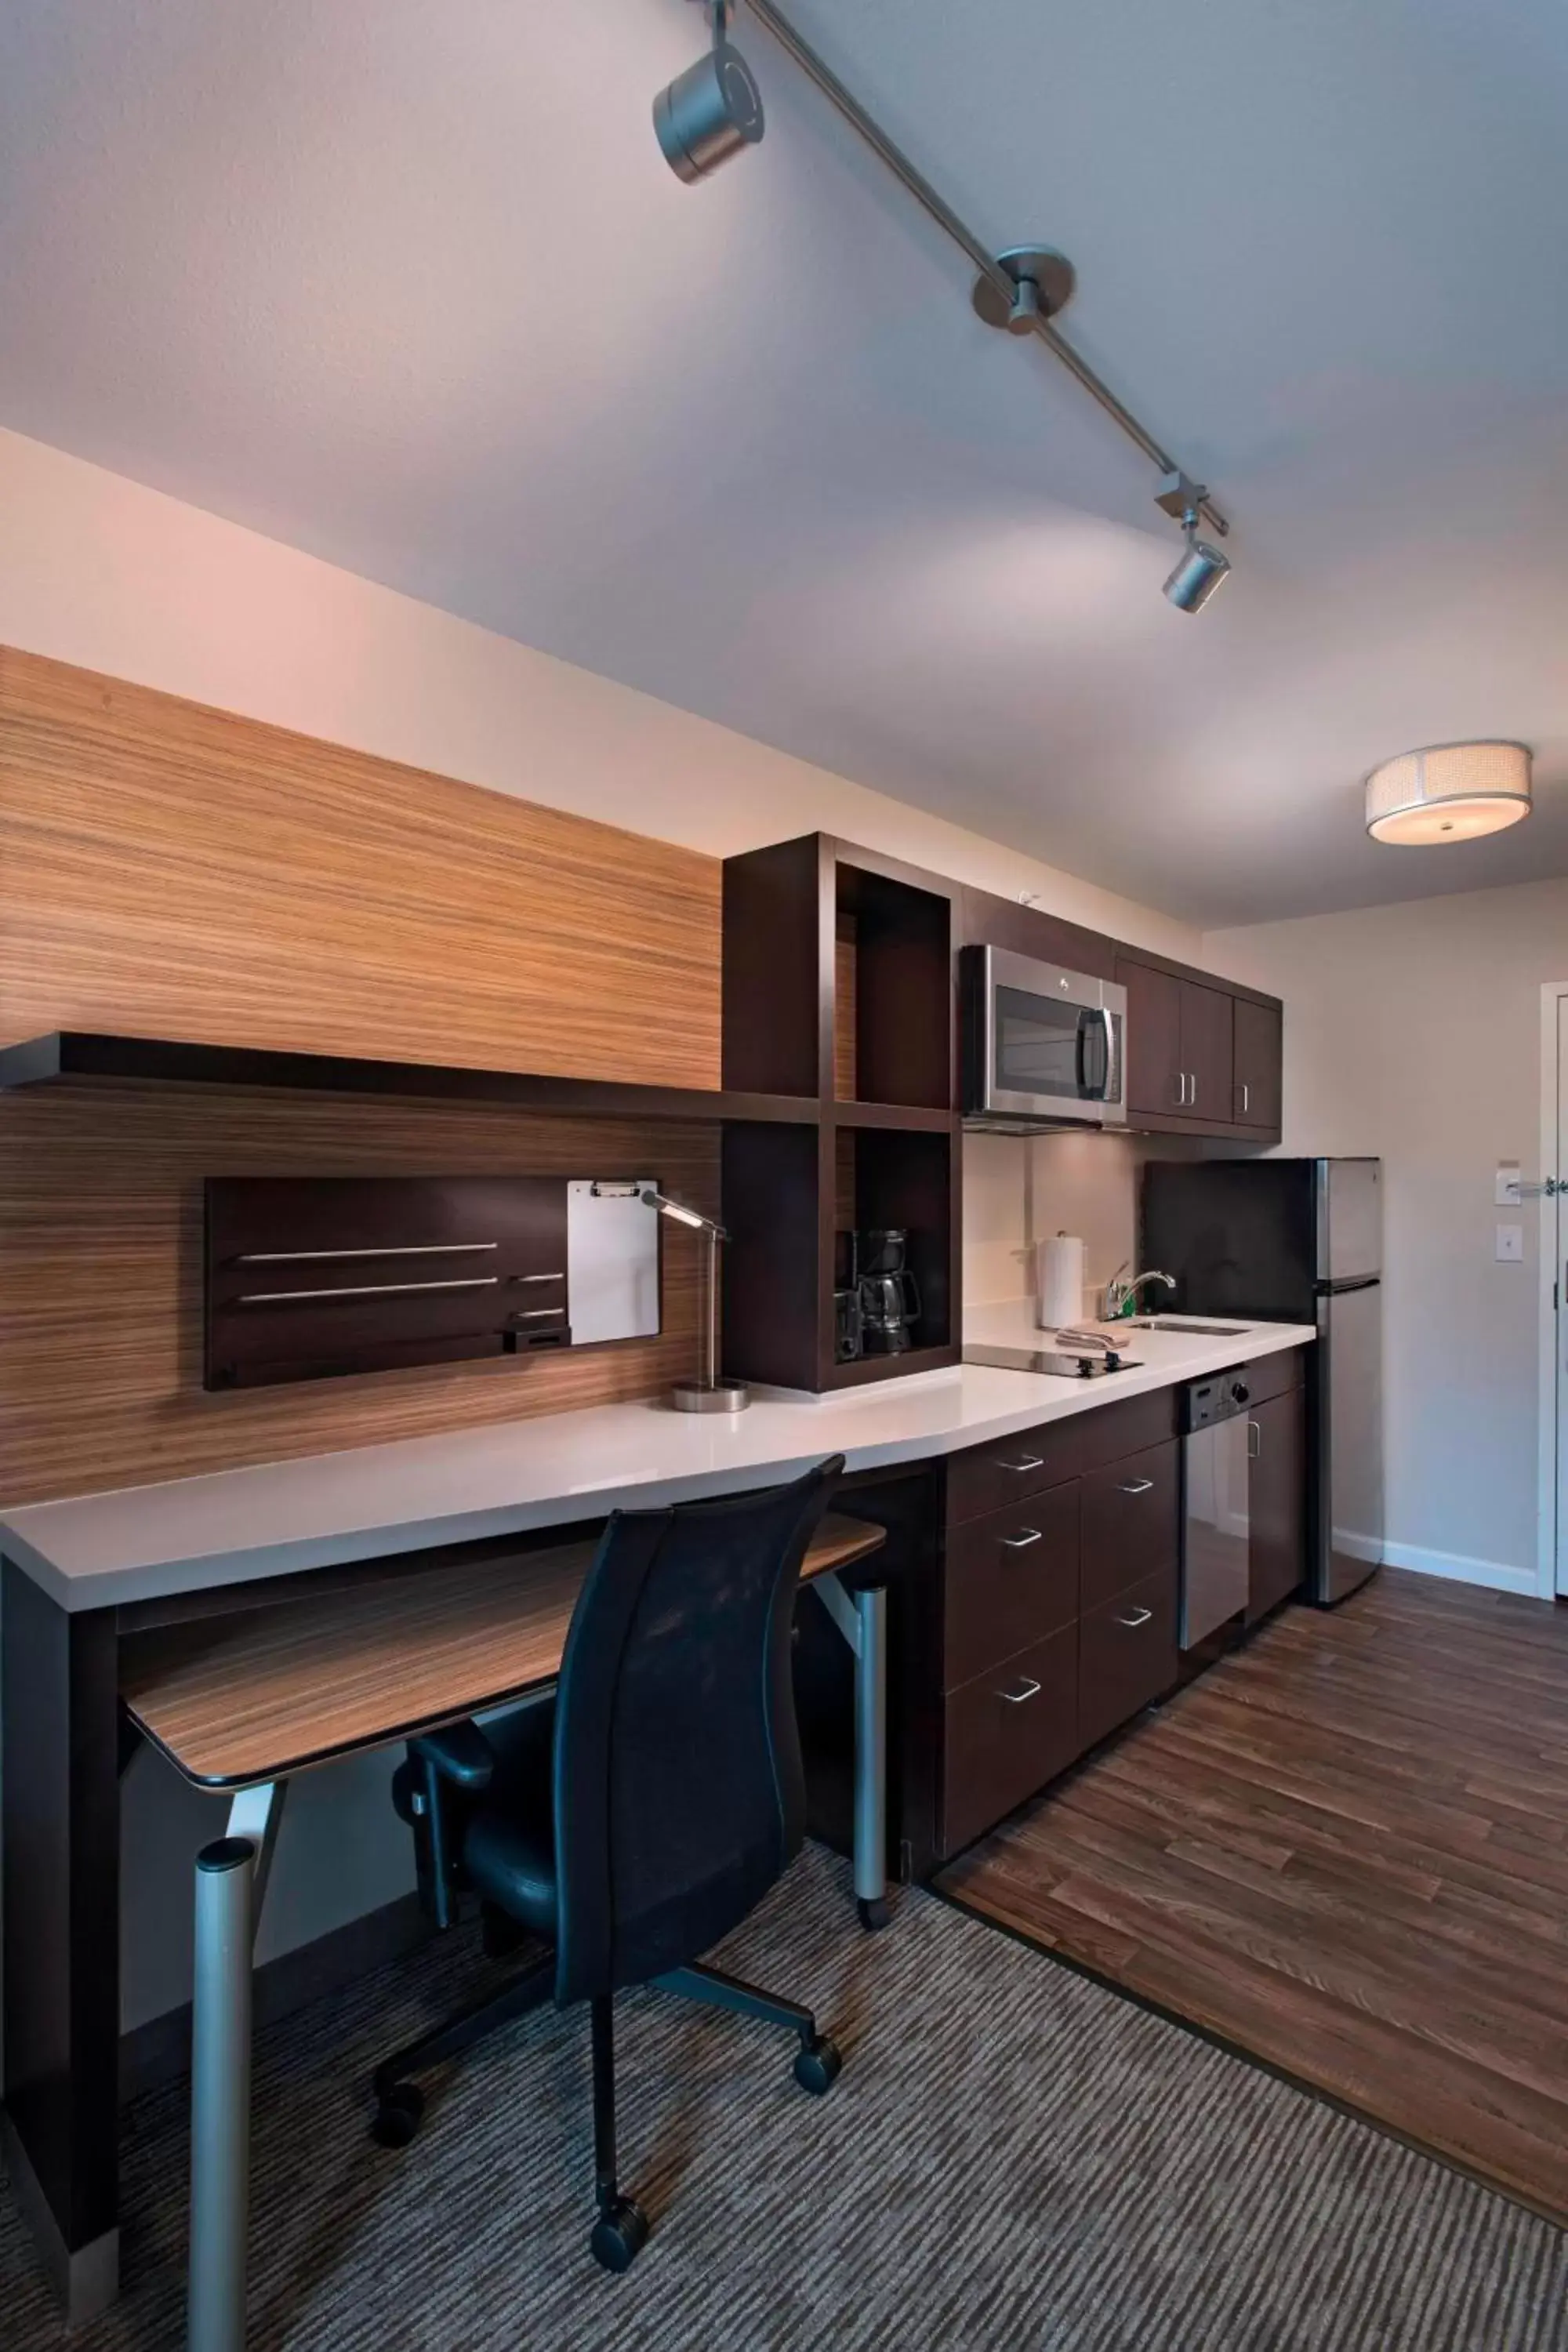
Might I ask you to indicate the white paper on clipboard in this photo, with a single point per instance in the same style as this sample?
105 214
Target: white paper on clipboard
612 1262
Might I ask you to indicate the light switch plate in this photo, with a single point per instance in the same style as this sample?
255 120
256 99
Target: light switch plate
1506 1194
1510 1245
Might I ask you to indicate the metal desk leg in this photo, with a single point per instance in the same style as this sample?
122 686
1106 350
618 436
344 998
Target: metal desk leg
862 1618
231 1882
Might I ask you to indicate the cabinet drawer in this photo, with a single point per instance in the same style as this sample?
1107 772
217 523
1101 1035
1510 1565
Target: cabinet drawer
994 1477
1006 1734
1127 1656
1010 1579
1131 1526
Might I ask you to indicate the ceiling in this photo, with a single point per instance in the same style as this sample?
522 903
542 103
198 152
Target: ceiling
407 284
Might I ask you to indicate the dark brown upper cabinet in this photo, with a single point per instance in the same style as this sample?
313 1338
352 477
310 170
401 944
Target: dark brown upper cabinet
1179 1052
1197 1049
986 920
1259 1095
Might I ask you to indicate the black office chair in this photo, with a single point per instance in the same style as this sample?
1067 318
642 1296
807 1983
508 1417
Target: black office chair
640 1813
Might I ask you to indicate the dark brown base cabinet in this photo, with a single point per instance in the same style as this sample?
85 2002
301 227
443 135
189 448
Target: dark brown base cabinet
1277 1497
1061 1582
1059 1601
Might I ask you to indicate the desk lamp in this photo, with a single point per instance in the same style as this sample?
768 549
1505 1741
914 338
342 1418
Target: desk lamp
709 1393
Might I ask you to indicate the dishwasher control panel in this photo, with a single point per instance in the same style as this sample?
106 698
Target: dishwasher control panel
1221 1397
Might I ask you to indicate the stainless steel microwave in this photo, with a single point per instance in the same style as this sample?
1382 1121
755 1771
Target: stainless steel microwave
1042 1047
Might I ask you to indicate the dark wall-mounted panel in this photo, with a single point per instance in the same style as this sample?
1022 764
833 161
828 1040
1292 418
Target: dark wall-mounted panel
306 1277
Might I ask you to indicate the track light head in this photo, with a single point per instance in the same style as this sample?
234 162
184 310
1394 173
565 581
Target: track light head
1197 575
708 113
1203 567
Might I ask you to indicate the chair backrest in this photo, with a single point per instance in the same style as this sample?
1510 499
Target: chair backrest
678 1785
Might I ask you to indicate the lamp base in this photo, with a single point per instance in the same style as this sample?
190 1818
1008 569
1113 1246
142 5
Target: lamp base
724 1396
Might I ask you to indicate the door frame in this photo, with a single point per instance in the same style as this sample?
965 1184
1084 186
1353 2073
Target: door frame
1552 1549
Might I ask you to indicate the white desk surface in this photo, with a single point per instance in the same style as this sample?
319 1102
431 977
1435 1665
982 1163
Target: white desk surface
139 1543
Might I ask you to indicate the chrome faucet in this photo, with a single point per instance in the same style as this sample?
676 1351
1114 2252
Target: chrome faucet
1122 1296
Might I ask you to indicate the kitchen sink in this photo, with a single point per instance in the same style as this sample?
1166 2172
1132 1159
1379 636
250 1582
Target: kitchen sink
1198 1330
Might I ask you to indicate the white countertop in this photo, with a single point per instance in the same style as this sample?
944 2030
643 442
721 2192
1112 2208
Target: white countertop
139 1543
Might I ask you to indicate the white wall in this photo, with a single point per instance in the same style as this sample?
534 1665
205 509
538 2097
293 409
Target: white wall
1414 1031
1017 1193
101 571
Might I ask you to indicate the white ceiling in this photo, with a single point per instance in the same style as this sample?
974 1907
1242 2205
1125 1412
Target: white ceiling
406 283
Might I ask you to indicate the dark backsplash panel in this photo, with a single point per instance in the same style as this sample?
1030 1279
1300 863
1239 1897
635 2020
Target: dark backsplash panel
312 1277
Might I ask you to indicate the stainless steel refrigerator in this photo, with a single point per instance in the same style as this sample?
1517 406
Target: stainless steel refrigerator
1294 1240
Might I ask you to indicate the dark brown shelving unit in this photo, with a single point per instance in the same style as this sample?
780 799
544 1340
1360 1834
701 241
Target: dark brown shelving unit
839 974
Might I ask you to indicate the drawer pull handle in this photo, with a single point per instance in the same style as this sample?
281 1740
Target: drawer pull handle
1016 1698
1137 1486
1139 1617
1029 1462
1020 1542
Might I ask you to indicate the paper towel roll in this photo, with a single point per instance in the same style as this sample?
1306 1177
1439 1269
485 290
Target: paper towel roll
1058 1291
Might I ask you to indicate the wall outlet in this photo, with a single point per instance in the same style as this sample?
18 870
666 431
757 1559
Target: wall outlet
1506 1194
1511 1245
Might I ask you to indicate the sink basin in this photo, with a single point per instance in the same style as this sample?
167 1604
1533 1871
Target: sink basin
1198 1330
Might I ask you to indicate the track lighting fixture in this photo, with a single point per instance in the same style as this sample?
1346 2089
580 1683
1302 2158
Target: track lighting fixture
1202 568
711 111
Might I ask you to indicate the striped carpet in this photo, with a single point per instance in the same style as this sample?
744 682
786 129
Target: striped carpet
1014 2156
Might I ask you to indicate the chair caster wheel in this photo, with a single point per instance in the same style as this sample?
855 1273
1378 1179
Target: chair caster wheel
619 2235
817 2065
398 2115
874 1913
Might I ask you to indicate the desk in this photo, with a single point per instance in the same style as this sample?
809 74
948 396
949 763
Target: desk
86 1576
246 1702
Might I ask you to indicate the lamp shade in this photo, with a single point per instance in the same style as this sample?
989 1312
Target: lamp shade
1450 791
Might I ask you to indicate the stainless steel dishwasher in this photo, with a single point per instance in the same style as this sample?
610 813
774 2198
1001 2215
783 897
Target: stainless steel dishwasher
1216 1451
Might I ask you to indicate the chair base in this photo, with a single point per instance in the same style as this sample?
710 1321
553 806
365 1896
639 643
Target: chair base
620 2230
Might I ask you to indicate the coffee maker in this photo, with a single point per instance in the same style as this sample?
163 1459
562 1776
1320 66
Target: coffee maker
885 1291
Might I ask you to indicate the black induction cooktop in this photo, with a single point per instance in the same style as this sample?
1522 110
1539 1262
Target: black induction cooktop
1051 1361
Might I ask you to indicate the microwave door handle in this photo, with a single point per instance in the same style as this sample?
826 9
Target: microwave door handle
1095 1089
1112 1088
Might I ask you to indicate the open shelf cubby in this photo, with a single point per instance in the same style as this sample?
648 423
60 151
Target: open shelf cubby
838 983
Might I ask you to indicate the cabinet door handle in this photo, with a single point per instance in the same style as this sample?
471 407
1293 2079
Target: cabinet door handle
1139 1617
1246 1097
1029 1462
1016 1698
1137 1486
1180 1090
1254 1440
1192 1088
1022 1540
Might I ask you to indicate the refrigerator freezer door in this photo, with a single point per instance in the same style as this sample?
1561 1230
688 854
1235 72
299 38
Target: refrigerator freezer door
1349 1220
1240 1236
1349 1501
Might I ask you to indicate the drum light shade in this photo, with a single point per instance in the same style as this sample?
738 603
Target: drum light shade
1450 791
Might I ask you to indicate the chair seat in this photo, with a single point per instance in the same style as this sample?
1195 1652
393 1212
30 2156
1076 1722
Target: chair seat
509 1850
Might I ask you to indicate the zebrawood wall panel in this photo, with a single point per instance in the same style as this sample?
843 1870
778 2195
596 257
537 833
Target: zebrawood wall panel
177 871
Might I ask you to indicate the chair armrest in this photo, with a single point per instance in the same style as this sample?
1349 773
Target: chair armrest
460 1753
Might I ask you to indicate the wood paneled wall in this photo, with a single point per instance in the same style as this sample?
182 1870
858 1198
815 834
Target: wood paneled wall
173 871
170 870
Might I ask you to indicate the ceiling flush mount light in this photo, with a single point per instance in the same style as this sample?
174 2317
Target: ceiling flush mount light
1202 567
711 112
1449 792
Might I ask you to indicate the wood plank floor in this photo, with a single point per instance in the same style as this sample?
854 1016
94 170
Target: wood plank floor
1345 1850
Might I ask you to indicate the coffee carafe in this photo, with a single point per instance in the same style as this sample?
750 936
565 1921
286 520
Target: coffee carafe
889 1293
